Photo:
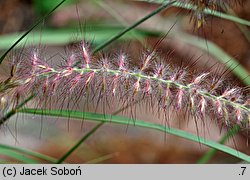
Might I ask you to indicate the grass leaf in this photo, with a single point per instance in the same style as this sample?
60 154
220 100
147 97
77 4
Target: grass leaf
18 156
11 149
126 121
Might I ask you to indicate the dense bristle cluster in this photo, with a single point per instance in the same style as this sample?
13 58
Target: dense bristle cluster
199 16
213 3
153 80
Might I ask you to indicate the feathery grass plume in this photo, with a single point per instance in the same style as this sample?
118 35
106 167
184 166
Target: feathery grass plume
154 80
198 16
214 4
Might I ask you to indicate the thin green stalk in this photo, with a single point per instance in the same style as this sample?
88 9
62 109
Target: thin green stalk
84 138
14 110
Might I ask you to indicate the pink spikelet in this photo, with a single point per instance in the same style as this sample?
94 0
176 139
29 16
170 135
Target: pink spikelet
85 54
203 106
180 98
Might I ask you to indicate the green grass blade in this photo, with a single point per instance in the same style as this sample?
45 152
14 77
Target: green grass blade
32 27
28 152
20 157
208 156
215 13
84 138
126 121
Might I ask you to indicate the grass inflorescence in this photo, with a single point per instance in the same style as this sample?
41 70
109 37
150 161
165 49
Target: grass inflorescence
103 77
